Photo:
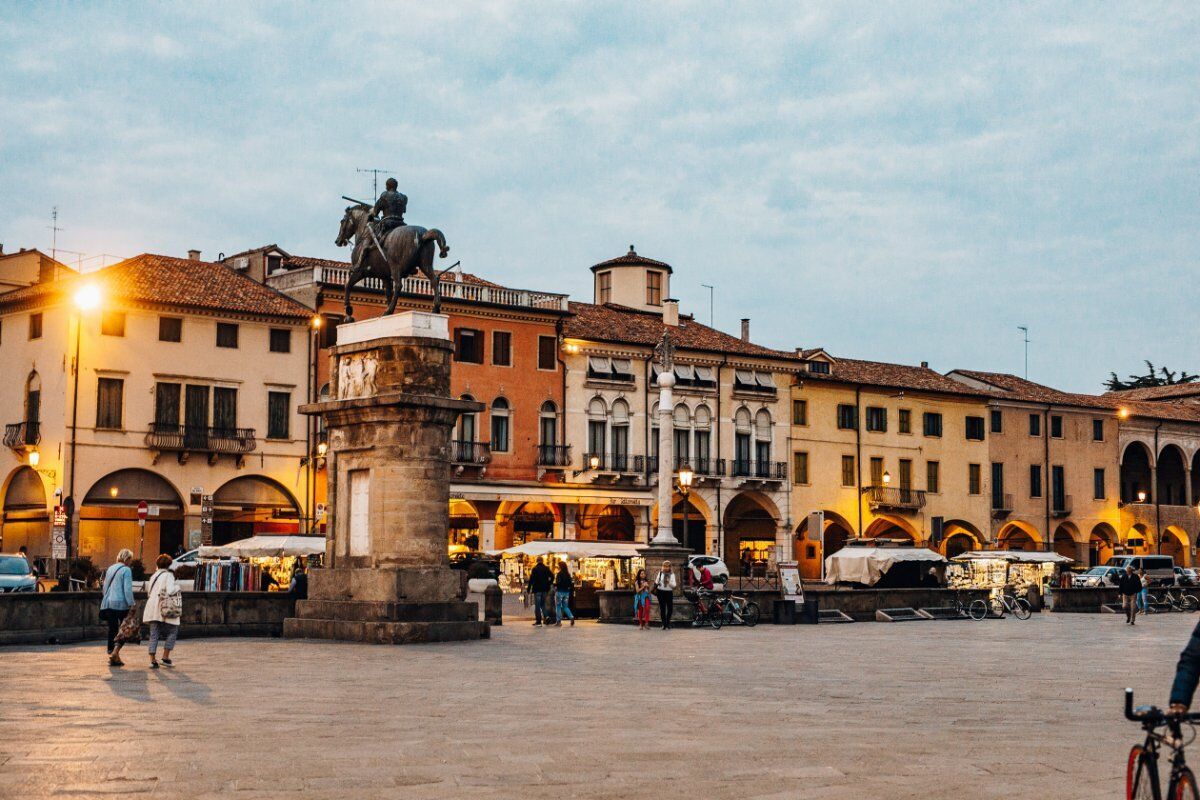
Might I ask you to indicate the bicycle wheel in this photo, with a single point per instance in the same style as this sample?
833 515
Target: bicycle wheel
1184 787
716 616
978 610
750 615
1020 609
1141 775
1189 602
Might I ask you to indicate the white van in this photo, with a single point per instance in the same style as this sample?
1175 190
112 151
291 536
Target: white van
1159 569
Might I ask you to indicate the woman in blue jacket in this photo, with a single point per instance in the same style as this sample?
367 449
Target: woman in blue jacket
116 601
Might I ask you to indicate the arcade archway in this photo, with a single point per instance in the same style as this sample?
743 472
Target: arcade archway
108 517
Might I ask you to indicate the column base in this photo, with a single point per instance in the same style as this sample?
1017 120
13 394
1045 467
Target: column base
654 555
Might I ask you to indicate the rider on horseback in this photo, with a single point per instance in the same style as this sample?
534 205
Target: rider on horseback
391 205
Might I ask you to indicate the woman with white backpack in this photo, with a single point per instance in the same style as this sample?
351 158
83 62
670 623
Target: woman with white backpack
164 608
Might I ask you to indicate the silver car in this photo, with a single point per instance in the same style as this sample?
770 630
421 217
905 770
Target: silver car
15 574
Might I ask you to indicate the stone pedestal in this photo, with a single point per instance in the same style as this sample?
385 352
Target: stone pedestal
655 555
386 577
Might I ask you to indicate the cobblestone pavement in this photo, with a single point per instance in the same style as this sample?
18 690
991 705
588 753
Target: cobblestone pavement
912 710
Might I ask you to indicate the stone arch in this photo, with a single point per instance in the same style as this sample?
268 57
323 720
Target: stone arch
26 519
1139 540
519 521
958 537
1136 463
464 524
1066 539
889 526
751 523
1171 481
808 551
249 505
1018 535
1176 543
108 516
1100 543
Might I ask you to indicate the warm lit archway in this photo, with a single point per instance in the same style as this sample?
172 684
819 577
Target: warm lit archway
26 515
1175 544
958 537
1135 473
807 549
751 525
108 516
1066 537
1100 544
1019 536
889 527
1171 476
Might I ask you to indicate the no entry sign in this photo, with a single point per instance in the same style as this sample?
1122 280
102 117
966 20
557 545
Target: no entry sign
143 511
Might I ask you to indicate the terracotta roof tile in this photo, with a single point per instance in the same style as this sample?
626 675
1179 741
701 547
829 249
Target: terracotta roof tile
617 323
167 281
893 376
308 262
1017 388
1172 392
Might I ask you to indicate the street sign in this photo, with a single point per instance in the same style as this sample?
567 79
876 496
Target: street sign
320 511
206 519
197 493
58 536
143 511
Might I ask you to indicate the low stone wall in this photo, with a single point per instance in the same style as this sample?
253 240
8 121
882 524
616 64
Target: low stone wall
74 616
1084 600
861 604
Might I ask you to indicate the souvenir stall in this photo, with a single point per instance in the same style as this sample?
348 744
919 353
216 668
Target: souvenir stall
881 567
588 562
995 569
260 563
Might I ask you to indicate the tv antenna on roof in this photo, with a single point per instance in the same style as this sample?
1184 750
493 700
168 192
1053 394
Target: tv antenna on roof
375 175
1025 329
54 238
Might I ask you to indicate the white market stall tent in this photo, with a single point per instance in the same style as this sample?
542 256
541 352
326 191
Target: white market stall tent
997 569
574 549
1023 556
267 546
867 565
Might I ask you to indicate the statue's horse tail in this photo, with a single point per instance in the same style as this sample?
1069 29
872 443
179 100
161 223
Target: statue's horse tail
434 235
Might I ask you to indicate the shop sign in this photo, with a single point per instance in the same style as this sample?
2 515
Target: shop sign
154 511
789 581
195 539
197 494
60 517
58 533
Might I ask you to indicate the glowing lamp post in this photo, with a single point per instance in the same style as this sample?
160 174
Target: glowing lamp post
87 298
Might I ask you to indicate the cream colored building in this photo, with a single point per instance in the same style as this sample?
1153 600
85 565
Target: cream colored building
189 379
885 451
730 417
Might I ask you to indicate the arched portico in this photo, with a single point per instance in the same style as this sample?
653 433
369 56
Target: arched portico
26 517
808 549
1175 543
751 527
1017 535
253 504
108 516
1137 471
1171 476
958 537
464 524
1100 544
892 527
1066 538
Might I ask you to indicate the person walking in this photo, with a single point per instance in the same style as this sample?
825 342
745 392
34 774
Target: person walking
116 599
1129 585
747 564
164 608
299 583
540 581
641 600
664 590
1143 597
563 585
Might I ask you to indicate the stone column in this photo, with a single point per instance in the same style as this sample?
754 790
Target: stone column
1188 499
388 579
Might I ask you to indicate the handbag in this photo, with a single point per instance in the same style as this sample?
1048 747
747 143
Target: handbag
170 604
131 626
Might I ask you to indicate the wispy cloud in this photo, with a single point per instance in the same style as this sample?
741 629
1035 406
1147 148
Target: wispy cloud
894 181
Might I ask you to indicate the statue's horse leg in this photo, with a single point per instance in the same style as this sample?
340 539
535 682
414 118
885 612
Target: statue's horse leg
433 236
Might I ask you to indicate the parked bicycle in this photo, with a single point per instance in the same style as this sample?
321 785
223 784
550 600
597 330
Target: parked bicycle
737 610
959 607
1176 600
999 605
1163 731
708 608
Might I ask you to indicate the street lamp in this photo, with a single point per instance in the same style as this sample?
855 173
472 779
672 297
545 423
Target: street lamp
1141 496
87 297
594 461
35 458
887 477
686 476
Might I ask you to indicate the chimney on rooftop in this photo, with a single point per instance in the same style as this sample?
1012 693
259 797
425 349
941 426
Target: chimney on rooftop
746 329
924 365
671 313
193 255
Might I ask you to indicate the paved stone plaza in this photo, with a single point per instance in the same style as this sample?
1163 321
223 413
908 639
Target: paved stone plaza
921 710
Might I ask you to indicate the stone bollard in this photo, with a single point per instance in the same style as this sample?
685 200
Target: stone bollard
493 605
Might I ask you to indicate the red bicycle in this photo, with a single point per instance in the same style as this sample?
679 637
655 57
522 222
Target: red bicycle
1163 731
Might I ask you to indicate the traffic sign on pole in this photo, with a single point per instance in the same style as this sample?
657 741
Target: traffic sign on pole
143 510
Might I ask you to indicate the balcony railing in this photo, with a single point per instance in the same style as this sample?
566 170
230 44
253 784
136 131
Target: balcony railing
614 462
895 498
763 470
554 455
200 439
464 452
595 461
1061 506
22 434
1002 504
450 287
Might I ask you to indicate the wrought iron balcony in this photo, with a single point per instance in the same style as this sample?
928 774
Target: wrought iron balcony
464 452
762 470
1002 505
554 455
1060 506
20 435
708 467
595 461
200 439
896 499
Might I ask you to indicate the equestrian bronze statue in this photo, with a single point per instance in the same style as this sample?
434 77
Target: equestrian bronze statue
389 250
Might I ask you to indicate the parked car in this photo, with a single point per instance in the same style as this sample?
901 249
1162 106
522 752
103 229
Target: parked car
467 560
1098 576
1186 576
720 572
1159 569
16 575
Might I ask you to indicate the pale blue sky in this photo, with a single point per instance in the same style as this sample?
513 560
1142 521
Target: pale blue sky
898 182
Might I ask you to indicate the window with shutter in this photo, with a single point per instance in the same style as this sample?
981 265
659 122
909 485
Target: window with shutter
279 408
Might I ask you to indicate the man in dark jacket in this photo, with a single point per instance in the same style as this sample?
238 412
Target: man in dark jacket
540 581
1187 674
1129 584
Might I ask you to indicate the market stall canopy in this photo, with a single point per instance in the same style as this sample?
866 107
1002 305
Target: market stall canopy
1026 556
574 549
868 564
267 547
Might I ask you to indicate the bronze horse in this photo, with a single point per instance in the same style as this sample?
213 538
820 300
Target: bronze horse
409 248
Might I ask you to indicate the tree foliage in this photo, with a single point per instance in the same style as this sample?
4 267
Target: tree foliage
1155 376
